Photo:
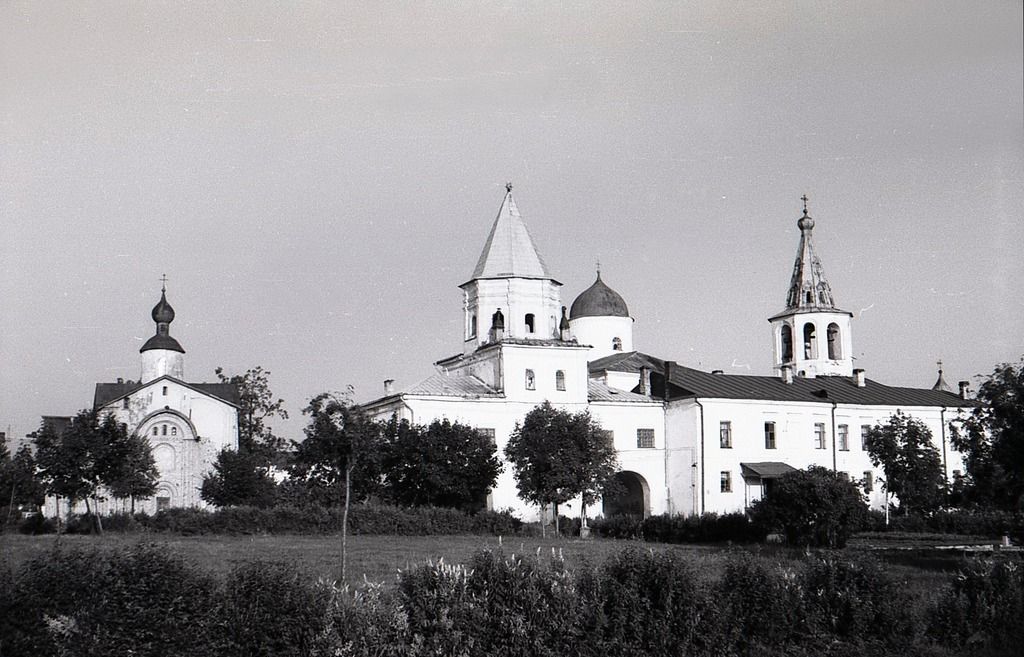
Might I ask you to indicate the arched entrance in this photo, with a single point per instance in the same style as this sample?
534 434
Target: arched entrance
633 497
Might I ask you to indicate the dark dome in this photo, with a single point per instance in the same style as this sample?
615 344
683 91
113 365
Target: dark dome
162 342
599 300
162 311
805 222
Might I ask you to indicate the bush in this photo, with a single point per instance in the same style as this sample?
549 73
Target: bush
763 602
815 506
619 526
987 523
983 608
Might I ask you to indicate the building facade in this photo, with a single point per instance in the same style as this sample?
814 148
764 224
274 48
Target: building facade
688 441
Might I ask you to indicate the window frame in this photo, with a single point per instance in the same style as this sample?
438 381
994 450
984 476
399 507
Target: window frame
645 435
770 439
725 481
531 379
725 434
819 436
560 380
843 437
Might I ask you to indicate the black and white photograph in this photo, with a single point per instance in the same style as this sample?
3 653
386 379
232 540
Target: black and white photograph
511 328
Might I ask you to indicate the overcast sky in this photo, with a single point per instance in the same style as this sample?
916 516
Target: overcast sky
316 180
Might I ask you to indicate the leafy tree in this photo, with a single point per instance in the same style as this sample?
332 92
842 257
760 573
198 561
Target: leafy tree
991 439
815 506
444 464
913 467
79 463
257 407
557 456
134 474
239 478
341 441
20 485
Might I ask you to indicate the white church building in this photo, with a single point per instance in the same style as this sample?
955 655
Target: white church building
688 441
187 424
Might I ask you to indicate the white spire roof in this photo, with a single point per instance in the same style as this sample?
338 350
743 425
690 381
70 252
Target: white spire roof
509 251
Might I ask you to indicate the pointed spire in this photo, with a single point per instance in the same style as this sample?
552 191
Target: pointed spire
808 288
510 251
940 383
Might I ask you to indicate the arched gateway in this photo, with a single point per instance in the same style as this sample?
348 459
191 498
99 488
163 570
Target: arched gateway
633 497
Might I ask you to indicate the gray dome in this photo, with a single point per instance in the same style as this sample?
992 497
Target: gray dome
599 300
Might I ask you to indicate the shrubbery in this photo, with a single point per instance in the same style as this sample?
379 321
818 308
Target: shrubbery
708 528
991 524
146 600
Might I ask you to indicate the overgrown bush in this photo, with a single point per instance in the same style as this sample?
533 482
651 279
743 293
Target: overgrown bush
987 523
982 610
707 528
764 602
618 526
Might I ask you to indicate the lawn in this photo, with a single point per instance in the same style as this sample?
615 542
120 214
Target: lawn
379 558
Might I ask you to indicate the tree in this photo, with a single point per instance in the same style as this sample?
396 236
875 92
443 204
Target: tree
20 485
557 456
991 439
815 506
340 438
239 478
444 464
912 465
257 405
134 474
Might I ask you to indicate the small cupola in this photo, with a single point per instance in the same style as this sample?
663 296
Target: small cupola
161 354
599 300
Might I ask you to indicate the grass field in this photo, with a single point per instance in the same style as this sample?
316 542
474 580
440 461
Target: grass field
379 558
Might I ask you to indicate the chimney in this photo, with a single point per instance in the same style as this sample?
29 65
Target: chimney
389 386
718 371
645 380
964 389
786 372
669 365
858 377
120 380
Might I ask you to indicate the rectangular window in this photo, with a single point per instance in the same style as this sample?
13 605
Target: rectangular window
725 434
864 429
165 391
769 435
489 433
124 403
869 481
726 481
819 435
645 438
531 380
843 437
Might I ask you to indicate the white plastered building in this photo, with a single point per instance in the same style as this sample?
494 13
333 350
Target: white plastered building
688 441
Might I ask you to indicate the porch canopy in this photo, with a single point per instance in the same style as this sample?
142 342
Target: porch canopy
765 470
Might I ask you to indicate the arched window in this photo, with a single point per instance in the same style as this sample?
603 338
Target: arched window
174 431
559 380
529 322
165 429
835 348
472 325
809 297
531 380
787 343
810 342
616 344
156 430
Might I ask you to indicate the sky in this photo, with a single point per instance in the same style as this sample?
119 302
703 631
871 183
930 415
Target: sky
316 179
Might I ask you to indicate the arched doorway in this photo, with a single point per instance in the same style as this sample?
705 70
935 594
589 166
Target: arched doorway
633 497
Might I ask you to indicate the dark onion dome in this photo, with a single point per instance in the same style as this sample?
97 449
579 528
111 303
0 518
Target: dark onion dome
162 311
598 300
162 342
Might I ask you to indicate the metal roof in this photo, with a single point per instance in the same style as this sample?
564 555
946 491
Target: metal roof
109 392
598 391
599 300
509 251
444 385
766 469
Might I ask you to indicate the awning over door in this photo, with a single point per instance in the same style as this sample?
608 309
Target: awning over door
765 470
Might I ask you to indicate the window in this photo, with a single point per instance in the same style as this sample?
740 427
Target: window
559 380
726 481
488 433
174 431
810 345
163 503
869 481
787 343
616 344
819 435
645 438
864 429
843 438
529 322
472 326
769 435
164 429
165 391
531 381
124 403
156 431
834 346
725 434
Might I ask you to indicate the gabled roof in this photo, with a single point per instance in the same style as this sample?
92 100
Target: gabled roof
510 251
111 392
689 382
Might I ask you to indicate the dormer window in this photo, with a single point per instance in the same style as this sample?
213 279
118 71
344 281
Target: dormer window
529 323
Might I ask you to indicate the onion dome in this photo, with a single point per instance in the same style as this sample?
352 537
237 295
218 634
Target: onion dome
163 315
599 300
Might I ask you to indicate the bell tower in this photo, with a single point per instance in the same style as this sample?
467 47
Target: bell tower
811 336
